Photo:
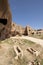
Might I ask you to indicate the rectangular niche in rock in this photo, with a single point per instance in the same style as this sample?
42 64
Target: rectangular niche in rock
3 21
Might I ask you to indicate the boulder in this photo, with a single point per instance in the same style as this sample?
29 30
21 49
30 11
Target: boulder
28 30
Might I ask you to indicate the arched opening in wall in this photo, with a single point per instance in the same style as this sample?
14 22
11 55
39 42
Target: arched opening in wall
3 21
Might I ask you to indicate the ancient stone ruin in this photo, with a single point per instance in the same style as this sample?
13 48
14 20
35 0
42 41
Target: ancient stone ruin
32 51
18 51
5 19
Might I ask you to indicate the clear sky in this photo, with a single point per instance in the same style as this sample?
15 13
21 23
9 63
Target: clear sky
27 12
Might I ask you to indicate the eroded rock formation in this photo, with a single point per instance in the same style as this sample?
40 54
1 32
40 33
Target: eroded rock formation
5 14
17 30
7 28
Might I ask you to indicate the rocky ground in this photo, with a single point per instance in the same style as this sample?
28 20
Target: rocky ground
7 52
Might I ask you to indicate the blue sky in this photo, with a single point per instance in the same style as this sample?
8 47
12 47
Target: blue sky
27 12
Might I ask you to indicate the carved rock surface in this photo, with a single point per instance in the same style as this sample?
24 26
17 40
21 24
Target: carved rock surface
5 14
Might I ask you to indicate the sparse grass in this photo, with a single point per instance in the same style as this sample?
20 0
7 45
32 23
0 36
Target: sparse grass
8 41
37 36
41 37
0 42
42 62
22 61
10 54
28 42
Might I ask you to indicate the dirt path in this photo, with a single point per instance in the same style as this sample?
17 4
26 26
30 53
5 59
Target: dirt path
37 41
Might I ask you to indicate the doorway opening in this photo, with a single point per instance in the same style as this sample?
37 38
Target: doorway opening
3 21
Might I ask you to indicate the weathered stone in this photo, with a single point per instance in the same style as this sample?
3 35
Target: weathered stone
28 30
32 51
5 14
17 30
18 51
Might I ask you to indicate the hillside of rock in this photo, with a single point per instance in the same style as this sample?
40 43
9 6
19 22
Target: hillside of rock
5 13
9 28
